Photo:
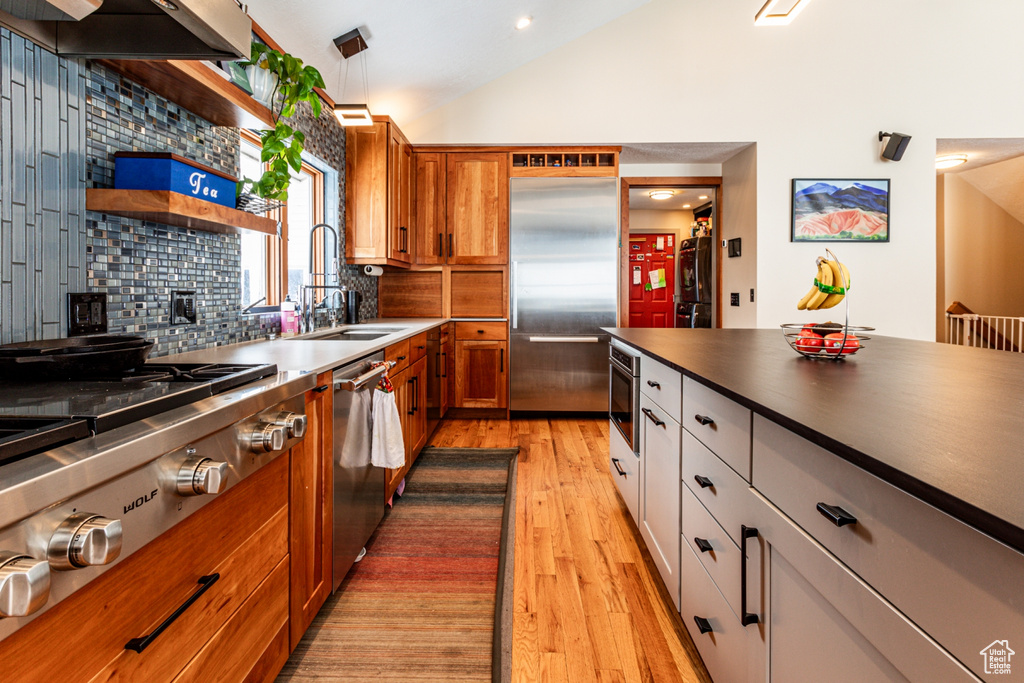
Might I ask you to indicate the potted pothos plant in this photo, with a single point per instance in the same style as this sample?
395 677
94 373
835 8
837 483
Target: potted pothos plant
282 144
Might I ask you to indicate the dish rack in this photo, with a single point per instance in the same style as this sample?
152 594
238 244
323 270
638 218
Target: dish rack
791 331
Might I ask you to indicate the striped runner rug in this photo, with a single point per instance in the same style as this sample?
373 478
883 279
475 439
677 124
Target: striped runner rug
421 604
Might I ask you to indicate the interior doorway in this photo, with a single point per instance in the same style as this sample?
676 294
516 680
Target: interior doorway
685 213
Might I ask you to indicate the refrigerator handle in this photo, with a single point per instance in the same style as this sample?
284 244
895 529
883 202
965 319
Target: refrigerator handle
515 295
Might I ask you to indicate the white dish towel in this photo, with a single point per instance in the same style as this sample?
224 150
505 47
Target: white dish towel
387 448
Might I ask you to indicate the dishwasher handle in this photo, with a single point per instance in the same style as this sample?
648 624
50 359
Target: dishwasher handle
360 381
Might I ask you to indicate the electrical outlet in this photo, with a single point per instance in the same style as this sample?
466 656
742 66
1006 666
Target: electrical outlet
751 295
734 299
183 307
87 313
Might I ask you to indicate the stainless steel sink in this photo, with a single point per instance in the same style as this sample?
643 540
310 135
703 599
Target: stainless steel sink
351 334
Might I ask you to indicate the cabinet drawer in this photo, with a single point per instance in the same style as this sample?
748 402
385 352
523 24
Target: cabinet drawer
241 537
659 498
722 561
663 384
628 480
950 579
721 424
494 331
417 347
399 353
725 495
724 648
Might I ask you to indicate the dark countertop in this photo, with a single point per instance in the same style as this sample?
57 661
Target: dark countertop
942 422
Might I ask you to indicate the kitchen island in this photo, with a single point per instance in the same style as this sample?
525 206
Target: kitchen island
869 510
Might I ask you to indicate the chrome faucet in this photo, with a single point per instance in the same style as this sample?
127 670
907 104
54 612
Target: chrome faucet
307 317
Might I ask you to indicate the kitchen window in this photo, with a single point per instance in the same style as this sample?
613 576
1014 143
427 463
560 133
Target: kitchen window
274 268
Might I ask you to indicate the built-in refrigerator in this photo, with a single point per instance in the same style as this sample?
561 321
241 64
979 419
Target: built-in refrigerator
693 303
563 288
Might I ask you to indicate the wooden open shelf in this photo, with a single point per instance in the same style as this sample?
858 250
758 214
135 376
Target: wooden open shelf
171 208
564 161
198 88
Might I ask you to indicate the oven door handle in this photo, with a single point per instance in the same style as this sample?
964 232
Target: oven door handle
356 383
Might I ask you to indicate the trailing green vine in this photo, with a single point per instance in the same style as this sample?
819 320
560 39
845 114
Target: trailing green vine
282 145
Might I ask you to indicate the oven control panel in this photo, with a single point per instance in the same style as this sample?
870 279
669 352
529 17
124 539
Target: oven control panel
52 554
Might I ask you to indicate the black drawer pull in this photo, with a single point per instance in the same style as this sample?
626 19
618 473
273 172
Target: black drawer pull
650 414
651 383
140 644
704 482
747 618
836 514
618 467
703 625
400 357
322 389
440 245
704 420
703 544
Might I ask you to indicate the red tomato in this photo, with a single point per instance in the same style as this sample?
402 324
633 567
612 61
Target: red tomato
809 341
834 341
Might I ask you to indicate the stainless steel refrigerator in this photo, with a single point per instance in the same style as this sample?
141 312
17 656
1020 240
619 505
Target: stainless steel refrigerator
563 286
693 303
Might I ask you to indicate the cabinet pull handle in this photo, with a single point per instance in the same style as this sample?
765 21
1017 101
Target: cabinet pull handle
479 331
502 369
449 245
421 347
412 406
651 383
140 644
400 357
747 618
703 625
703 544
836 514
322 389
650 414
704 420
618 467
704 482
440 245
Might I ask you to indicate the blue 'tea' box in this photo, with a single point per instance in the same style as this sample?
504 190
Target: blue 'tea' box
166 171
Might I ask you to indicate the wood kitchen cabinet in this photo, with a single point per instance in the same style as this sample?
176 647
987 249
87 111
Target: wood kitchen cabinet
378 195
311 511
477 208
411 398
481 374
429 198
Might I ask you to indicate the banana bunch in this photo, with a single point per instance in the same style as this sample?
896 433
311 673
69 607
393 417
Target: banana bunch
830 285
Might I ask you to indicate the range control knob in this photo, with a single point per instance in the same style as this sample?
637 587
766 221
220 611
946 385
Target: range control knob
24 584
266 437
84 540
294 423
200 475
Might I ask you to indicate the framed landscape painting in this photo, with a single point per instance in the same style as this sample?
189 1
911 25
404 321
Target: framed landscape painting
840 210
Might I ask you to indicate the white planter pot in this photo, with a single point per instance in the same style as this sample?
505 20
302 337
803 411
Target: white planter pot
263 82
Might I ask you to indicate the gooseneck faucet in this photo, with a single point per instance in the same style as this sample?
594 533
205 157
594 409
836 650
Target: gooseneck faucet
308 316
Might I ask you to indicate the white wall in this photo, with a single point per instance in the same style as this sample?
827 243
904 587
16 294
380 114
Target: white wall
646 221
739 219
812 95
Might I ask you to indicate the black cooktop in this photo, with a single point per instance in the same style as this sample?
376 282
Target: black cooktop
35 416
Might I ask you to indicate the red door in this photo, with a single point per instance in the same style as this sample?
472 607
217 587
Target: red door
650 303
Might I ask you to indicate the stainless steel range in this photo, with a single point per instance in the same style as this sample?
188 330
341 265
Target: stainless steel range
92 471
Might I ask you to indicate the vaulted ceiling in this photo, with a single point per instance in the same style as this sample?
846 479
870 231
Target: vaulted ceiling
422 55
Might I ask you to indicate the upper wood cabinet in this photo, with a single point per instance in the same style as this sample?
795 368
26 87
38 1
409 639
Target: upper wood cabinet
429 208
477 208
378 195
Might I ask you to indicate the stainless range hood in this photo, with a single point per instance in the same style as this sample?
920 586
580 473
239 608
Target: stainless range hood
133 29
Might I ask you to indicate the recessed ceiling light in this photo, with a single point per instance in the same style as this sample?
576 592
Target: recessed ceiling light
662 194
686 206
765 18
703 196
950 160
523 23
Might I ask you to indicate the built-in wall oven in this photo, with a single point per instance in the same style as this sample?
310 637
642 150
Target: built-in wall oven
624 392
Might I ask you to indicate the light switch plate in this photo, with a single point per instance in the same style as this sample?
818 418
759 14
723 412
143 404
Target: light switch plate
183 307
87 313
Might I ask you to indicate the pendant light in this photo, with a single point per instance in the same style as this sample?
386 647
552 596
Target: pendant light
351 115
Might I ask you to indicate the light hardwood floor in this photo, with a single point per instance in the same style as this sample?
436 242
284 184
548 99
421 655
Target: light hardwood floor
587 603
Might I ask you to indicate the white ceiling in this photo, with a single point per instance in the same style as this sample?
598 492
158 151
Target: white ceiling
980 151
421 55
639 198
1001 183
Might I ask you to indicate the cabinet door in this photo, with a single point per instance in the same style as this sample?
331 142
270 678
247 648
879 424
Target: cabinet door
660 497
480 376
400 383
399 168
419 407
477 208
448 370
311 512
366 194
428 184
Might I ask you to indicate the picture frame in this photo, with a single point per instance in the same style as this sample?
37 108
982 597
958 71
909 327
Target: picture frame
840 210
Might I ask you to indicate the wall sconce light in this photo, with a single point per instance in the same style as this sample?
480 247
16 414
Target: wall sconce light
350 115
895 146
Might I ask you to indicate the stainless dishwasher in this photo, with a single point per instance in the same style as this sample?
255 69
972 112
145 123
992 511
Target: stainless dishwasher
358 485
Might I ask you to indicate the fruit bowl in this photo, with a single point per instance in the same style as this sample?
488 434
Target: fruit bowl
839 342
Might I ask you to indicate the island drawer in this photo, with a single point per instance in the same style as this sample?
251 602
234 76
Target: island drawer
722 491
953 581
399 354
663 385
628 479
713 547
721 424
724 648
494 331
